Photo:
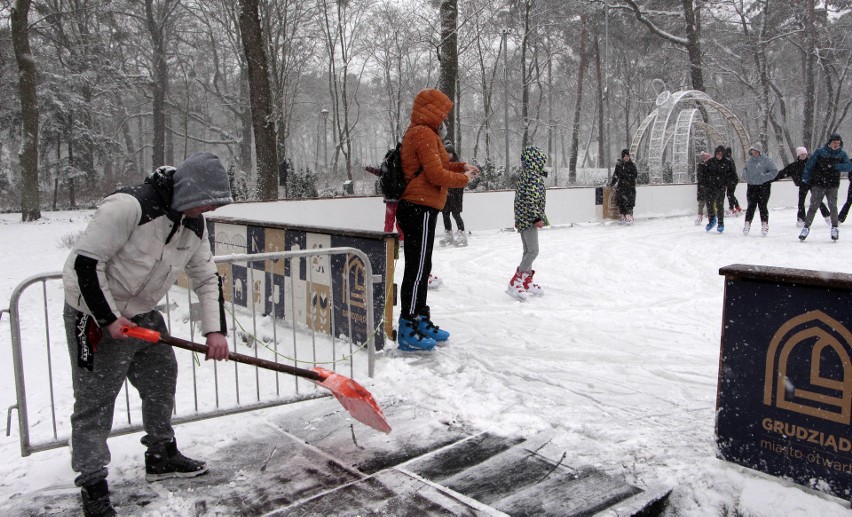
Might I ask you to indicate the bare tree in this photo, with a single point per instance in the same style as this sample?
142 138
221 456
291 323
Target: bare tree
343 26
397 57
27 81
690 15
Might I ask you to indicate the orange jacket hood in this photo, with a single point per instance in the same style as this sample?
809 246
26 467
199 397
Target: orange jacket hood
430 108
425 161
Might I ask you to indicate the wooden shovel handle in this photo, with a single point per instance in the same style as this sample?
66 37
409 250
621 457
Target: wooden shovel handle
153 336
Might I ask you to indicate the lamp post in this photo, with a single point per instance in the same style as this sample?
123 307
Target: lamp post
324 117
505 33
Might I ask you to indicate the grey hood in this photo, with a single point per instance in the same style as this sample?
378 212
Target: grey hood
200 180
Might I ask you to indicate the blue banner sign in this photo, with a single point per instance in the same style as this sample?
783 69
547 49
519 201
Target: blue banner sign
784 401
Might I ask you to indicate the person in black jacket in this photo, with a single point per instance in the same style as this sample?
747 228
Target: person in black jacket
733 203
795 171
700 181
720 173
453 208
822 173
625 191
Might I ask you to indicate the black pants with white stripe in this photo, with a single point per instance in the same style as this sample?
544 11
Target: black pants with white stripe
418 226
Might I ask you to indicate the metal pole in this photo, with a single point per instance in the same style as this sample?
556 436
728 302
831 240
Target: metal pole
506 101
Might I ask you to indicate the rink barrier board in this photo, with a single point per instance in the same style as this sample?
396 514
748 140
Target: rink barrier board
338 279
784 399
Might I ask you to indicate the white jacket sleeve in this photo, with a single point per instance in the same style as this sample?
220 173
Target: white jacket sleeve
202 272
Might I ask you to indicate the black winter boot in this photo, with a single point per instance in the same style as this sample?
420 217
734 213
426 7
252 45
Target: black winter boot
170 463
96 500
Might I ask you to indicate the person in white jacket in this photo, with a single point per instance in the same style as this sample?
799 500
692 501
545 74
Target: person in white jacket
138 242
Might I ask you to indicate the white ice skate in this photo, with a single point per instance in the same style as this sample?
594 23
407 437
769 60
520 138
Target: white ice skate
516 288
461 238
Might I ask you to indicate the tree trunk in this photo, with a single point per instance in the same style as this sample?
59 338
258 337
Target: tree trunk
693 44
160 86
525 78
809 71
344 129
245 164
263 120
449 58
763 74
27 80
578 104
601 161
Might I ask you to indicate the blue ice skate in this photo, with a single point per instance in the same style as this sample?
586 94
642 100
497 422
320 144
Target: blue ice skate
710 224
410 339
720 228
429 329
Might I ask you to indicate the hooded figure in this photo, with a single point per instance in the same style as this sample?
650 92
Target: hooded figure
624 179
822 174
138 242
719 174
759 169
759 172
430 174
825 165
530 196
424 159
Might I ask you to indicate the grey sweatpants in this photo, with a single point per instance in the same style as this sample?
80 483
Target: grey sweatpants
529 238
817 194
151 368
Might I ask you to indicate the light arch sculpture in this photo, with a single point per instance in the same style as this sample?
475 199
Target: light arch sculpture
684 124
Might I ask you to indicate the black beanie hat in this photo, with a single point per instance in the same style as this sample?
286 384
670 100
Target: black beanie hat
720 149
835 136
625 152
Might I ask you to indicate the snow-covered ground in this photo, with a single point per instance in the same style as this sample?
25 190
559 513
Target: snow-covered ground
618 361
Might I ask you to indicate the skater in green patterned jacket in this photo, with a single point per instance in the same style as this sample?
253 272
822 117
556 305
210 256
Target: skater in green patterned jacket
529 217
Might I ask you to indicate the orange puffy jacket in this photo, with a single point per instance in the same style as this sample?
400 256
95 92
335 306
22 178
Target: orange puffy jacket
422 148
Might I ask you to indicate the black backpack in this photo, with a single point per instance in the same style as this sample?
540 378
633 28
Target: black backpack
392 182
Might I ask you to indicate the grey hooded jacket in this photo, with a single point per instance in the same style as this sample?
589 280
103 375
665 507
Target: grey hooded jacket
759 169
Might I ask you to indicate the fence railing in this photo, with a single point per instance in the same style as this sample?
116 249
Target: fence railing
295 335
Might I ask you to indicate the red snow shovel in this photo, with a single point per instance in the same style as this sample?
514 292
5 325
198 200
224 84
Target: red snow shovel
354 397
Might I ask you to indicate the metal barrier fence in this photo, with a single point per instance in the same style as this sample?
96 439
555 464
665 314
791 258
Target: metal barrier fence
226 387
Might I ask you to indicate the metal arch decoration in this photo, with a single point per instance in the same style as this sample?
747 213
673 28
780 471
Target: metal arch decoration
681 148
673 130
